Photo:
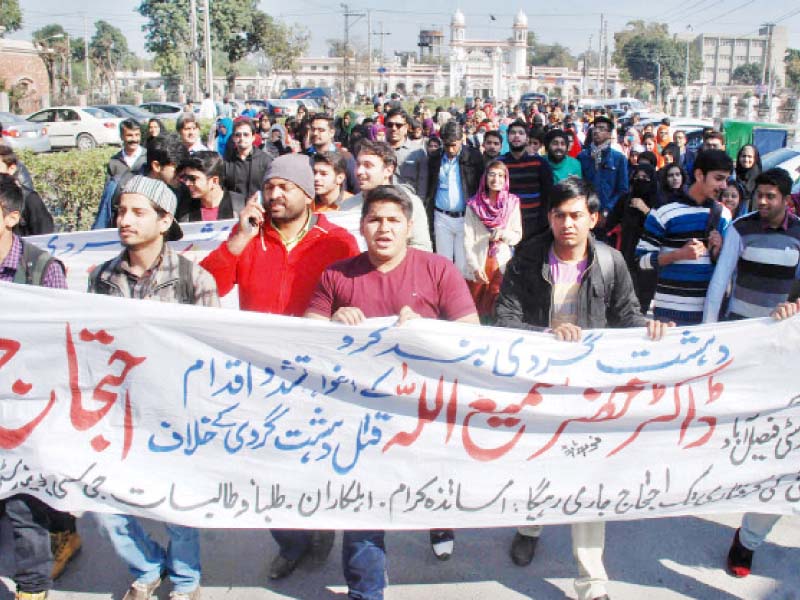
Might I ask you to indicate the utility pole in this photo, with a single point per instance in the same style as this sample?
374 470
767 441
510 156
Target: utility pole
605 58
86 59
382 35
207 44
369 52
658 84
771 72
346 61
586 66
600 56
193 35
686 72
69 66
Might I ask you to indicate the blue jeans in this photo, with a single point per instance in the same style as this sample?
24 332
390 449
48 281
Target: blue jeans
755 528
146 560
364 564
30 523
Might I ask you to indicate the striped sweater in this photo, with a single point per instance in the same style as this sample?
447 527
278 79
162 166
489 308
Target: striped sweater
531 179
682 285
760 263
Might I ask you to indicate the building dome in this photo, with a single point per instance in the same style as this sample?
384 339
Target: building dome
521 20
458 19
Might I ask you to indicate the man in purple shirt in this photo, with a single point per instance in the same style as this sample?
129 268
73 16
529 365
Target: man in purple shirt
31 519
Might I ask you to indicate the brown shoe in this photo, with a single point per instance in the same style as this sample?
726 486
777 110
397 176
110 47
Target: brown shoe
65 545
141 591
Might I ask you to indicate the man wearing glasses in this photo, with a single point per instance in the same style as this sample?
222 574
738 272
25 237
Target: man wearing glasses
606 169
244 169
412 160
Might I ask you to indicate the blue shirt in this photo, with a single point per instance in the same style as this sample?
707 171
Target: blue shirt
449 195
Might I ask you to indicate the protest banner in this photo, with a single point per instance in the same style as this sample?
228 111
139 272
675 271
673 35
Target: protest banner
219 418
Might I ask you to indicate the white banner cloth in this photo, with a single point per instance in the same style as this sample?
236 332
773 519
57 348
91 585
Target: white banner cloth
220 418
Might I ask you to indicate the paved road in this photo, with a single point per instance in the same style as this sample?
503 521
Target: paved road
663 559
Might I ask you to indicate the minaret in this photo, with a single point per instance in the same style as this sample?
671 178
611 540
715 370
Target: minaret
519 44
457 28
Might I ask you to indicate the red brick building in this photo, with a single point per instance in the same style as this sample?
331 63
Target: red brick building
23 74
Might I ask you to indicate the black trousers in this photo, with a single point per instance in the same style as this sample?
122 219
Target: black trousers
30 523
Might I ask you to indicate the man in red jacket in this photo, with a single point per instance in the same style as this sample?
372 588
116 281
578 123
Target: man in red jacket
280 248
276 254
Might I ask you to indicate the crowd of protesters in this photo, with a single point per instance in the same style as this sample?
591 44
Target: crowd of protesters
541 217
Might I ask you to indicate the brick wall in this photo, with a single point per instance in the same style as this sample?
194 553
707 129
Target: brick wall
20 65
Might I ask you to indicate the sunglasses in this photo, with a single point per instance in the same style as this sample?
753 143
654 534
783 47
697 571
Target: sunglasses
187 178
395 125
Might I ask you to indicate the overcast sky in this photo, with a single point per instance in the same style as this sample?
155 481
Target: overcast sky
571 26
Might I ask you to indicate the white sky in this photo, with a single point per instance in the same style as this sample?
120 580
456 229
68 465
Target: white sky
571 25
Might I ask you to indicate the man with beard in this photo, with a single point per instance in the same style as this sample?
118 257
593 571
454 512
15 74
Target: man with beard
556 142
682 239
530 179
492 145
244 168
605 168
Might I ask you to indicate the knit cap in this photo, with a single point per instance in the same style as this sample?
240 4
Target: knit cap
295 168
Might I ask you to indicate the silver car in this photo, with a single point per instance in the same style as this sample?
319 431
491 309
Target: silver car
20 134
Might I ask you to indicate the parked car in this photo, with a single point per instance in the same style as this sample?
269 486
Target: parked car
787 159
127 111
20 134
78 127
163 109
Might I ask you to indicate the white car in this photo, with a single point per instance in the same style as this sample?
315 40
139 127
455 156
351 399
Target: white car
78 127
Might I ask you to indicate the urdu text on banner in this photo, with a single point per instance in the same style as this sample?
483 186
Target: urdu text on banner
221 418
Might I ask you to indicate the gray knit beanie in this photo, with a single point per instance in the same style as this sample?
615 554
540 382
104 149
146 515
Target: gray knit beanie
295 168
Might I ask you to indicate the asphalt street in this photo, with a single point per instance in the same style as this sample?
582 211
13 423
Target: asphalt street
659 559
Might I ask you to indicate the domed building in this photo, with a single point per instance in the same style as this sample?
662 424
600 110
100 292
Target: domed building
487 67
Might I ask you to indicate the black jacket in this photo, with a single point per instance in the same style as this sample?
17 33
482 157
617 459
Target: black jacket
527 292
245 176
35 218
188 210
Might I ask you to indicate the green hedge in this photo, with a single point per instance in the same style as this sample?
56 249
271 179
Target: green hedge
70 183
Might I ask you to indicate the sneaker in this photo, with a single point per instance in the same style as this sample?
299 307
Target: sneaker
740 559
65 545
30 596
142 591
193 595
442 543
523 547
282 567
321 545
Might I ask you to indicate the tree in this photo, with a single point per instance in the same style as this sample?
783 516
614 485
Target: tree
238 28
51 41
548 55
10 16
793 69
108 51
642 47
747 74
